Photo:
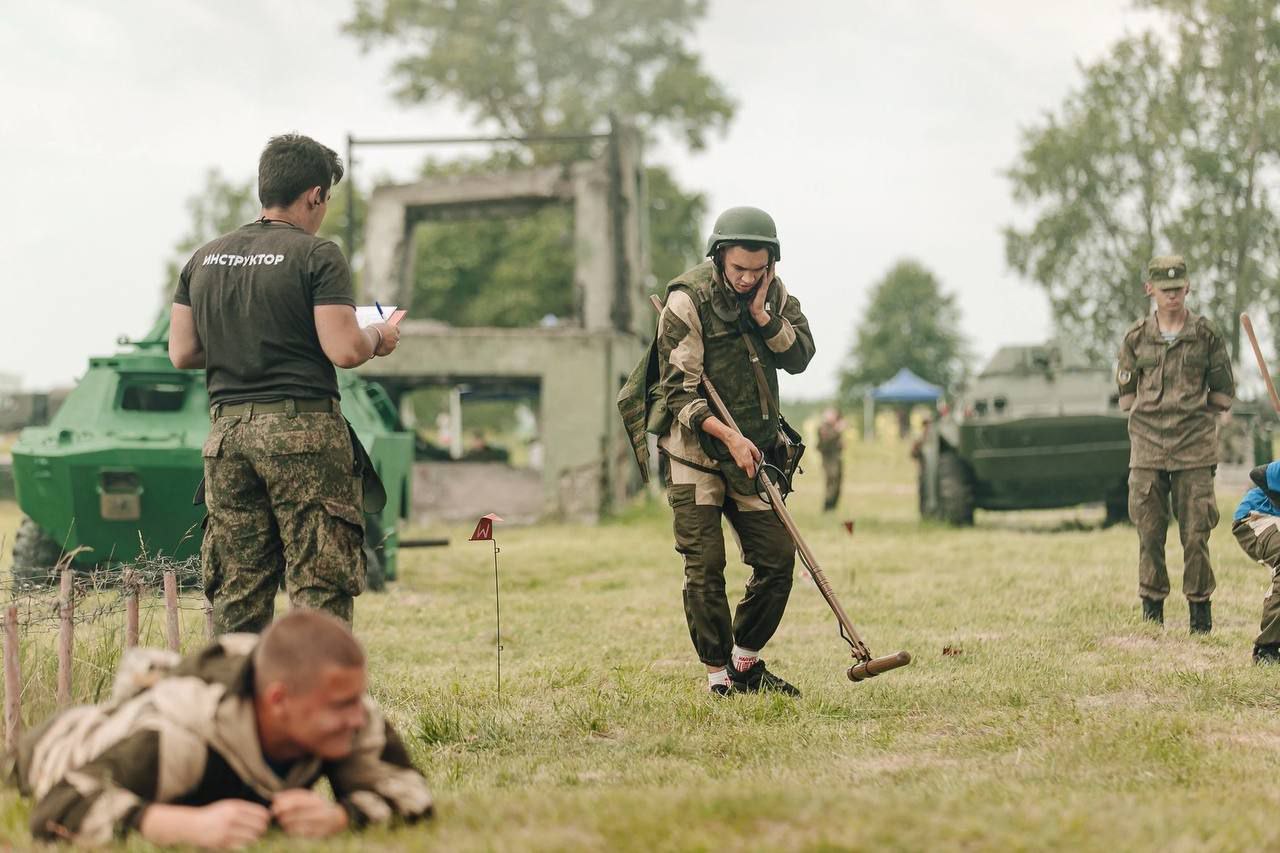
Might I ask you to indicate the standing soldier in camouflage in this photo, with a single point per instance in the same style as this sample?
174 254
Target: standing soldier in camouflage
733 319
831 448
267 311
1174 378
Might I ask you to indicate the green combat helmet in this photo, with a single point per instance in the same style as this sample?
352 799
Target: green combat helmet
745 224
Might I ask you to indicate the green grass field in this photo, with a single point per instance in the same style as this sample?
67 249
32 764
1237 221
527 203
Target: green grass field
1059 720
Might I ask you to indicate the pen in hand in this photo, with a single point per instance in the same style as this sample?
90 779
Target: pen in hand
378 305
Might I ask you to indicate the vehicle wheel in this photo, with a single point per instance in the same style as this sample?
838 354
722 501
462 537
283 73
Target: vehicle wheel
375 576
1117 504
35 554
955 490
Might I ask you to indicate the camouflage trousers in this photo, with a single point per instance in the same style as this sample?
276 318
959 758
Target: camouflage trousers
832 474
1259 536
284 510
699 500
1195 508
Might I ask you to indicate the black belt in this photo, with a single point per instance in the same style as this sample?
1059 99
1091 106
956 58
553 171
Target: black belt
289 406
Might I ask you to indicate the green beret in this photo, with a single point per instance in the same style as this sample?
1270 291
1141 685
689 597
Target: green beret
1167 272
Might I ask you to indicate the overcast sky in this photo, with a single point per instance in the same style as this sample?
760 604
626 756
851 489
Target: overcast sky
871 130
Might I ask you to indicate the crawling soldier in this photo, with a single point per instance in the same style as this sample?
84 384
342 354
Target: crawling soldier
224 744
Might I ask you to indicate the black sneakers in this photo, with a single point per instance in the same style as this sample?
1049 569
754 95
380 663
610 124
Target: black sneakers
1268 653
720 689
757 679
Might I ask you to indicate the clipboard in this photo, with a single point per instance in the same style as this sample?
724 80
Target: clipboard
367 315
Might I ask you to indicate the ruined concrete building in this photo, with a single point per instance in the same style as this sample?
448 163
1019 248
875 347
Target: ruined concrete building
573 370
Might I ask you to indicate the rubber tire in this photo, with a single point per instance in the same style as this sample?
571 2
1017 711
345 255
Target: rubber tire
375 579
35 554
955 490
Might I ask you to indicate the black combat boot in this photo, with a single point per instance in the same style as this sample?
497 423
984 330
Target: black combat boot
1268 653
1201 617
1153 611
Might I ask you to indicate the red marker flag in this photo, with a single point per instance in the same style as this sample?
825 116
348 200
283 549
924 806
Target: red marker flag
848 527
484 528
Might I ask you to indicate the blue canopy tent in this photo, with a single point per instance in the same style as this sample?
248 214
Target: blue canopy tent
904 387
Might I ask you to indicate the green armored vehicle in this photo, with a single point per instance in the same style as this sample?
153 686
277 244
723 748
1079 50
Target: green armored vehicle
116 469
1039 428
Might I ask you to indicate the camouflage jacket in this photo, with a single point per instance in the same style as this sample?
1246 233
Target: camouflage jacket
704 328
1171 424
189 736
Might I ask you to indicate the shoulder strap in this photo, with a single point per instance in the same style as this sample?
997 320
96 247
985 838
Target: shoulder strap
762 385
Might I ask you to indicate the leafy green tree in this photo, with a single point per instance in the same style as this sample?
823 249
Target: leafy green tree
549 66
1229 91
519 68
1168 146
910 322
1100 174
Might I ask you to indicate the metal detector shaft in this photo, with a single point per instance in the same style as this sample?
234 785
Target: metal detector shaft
1262 362
850 634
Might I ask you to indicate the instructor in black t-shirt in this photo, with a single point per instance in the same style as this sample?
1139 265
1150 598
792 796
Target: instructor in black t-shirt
268 310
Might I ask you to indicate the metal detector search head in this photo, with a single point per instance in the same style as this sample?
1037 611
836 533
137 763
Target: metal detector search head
871 668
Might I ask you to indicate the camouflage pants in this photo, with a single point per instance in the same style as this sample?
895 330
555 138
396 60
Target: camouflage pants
284 509
698 501
832 473
1259 536
1195 508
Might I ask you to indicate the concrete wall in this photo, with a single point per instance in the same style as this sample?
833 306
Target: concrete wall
586 463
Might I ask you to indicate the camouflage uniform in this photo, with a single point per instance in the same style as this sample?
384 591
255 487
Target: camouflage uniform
703 328
280 466
831 446
188 736
1173 443
284 509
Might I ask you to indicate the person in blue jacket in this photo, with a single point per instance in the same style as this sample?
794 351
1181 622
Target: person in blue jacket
1256 527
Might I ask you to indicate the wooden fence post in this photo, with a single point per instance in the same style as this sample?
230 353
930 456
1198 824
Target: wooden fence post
66 638
130 609
12 679
171 607
210 632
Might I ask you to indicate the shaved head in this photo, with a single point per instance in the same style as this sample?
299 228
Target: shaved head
297 648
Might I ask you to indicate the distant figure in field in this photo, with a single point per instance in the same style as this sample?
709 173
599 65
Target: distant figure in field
1174 377
831 448
211 750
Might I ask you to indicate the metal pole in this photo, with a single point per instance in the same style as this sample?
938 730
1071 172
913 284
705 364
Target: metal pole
497 607
351 199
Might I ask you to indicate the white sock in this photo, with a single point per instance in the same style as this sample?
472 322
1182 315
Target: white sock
720 676
744 659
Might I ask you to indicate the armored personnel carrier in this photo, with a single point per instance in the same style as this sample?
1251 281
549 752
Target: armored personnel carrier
116 468
1039 428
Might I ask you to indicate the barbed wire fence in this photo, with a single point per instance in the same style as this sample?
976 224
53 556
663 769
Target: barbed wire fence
69 620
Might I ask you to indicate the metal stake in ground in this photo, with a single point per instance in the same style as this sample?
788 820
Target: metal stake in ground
484 532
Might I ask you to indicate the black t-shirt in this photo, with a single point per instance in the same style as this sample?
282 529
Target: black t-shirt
252 293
